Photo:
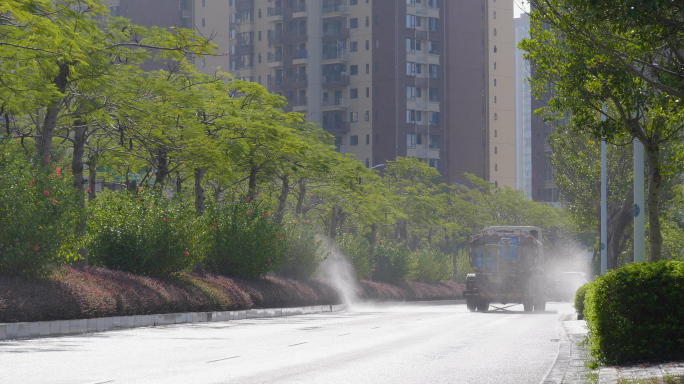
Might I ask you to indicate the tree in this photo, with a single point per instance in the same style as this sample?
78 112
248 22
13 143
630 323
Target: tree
585 66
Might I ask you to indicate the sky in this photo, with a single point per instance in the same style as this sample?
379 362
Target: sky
518 4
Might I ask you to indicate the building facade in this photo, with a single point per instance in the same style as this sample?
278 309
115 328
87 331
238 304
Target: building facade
432 79
523 111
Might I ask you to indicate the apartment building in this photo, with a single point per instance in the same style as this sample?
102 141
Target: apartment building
523 111
432 79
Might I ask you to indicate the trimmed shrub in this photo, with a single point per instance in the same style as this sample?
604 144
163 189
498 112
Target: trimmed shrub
579 300
357 251
145 234
39 213
392 262
304 252
430 265
244 240
635 313
463 265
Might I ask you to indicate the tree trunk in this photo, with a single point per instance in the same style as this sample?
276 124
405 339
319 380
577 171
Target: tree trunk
179 184
301 197
454 251
430 236
654 183
199 191
333 223
251 189
44 141
282 201
80 129
161 161
92 176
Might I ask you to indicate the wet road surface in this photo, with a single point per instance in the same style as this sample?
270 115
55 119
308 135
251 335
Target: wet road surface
386 344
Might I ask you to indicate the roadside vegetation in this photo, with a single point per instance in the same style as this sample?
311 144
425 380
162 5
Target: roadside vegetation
197 181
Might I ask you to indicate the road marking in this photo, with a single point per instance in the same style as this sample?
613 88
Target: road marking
344 334
225 358
104 382
375 327
297 344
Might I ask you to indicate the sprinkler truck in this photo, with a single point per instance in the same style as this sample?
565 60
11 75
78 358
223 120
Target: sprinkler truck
509 269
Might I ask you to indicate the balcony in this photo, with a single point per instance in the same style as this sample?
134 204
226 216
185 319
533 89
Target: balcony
335 103
274 14
335 80
301 78
301 56
340 127
275 37
422 82
275 60
275 83
341 33
335 10
299 11
299 104
338 55
421 35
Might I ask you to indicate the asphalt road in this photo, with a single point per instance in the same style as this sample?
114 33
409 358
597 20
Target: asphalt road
388 344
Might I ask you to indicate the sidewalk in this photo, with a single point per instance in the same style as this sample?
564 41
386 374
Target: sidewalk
571 364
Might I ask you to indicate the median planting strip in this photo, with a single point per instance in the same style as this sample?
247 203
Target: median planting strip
12 331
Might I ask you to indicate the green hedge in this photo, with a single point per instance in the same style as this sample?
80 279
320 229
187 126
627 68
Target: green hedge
636 313
580 294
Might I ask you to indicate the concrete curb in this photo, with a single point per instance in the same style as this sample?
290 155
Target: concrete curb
563 359
12 331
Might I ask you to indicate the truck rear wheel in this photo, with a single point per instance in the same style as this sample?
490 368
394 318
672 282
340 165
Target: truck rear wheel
527 306
540 305
482 305
471 304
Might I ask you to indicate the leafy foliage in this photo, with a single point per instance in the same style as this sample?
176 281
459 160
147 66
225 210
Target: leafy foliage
431 265
392 262
244 239
634 308
304 253
580 295
357 251
39 210
145 234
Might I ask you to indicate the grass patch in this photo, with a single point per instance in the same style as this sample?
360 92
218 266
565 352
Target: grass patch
657 380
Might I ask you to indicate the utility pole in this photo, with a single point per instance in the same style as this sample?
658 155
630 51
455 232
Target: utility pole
639 234
604 208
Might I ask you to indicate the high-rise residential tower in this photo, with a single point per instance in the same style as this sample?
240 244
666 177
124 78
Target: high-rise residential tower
523 111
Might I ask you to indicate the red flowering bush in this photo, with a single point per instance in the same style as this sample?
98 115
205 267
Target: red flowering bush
430 265
39 212
243 239
145 234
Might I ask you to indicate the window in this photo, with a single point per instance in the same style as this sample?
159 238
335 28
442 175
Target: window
496 116
419 68
259 35
203 22
419 117
367 21
354 93
367 138
259 80
410 69
353 70
494 31
353 23
434 118
367 92
433 24
202 3
203 62
495 133
494 99
496 150
419 139
410 45
410 92
259 58
367 68
367 45
434 141
367 117
494 15
411 116
377 43
411 21
367 162
495 82
495 49
376 20
259 13
353 118
434 71
495 65
496 167
434 163
411 140
353 2
433 95
432 48
353 46
432 3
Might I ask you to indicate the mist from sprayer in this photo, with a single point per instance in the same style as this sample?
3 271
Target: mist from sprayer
337 270
568 266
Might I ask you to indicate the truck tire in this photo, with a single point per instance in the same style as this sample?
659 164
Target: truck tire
471 304
482 305
527 306
540 305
